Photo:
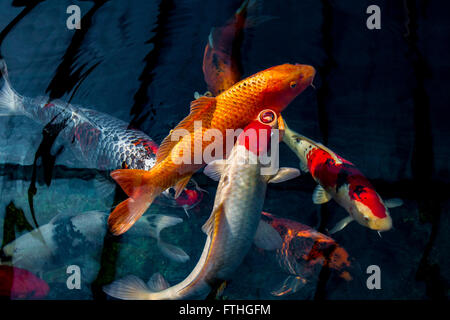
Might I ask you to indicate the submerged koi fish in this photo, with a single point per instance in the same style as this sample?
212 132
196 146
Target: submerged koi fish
73 235
341 180
234 224
98 140
304 252
221 60
234 108
17 283
189 198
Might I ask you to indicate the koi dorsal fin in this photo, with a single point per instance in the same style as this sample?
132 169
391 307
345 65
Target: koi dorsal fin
320 146
201 110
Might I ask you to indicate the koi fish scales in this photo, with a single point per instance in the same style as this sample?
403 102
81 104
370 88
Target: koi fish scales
273 88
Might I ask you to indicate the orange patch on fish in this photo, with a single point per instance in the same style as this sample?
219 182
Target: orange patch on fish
303 248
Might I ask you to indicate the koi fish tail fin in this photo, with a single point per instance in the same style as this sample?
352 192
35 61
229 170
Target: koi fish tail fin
255 17
10 101
243 7
141 195
157 223
133 288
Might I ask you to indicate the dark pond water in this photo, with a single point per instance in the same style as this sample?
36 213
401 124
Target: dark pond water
381 101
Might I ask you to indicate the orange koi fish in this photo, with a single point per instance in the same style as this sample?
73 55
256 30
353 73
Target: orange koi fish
273 88
304 251
220 61
221 68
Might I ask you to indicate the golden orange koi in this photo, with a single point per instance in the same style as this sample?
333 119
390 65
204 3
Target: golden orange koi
273 88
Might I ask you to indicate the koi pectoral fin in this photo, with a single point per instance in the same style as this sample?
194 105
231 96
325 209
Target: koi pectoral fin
320 195
393 203
157 283
283 174
341 224
215 169
290 285
267 237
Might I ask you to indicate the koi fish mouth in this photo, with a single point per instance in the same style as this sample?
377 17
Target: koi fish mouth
381 225
310 71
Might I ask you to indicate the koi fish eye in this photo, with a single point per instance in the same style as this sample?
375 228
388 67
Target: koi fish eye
293 84
267 116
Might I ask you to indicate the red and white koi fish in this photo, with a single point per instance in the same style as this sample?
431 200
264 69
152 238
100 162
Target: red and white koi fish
304 252
339 179
97 139
234 224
